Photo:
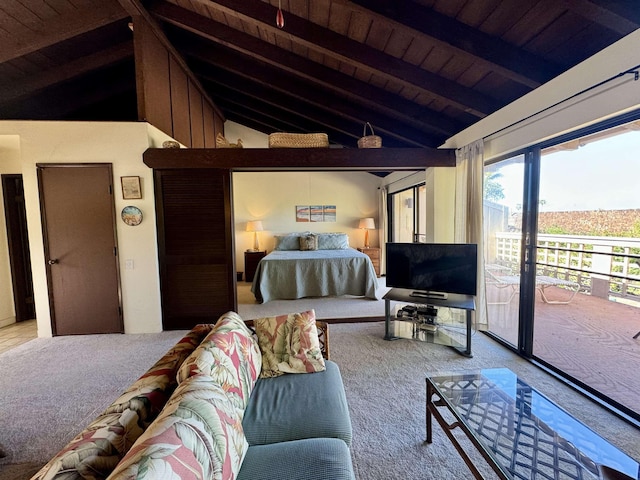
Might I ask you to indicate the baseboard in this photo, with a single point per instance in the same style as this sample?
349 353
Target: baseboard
5 322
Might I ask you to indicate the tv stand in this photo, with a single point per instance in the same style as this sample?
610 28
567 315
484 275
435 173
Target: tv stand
423 294
452 300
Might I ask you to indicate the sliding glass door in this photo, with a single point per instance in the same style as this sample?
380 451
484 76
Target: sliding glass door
408 222
562 258
587 307
502 210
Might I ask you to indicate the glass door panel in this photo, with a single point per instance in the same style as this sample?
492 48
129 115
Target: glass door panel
503 197
587 307
421 217
402 204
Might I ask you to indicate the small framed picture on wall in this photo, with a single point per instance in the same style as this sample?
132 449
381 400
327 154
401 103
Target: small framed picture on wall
131 188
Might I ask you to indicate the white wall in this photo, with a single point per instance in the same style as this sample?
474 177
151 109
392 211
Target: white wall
120 144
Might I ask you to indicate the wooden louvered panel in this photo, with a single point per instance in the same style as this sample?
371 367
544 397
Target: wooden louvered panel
197 276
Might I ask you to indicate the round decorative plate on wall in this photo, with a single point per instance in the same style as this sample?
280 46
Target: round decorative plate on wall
131 215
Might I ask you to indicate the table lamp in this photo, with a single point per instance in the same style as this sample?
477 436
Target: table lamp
255 226
367 224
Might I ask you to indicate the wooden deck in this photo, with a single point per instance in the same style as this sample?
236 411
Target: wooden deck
589 338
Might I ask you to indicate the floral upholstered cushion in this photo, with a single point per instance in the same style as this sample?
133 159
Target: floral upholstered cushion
95 451
230 356
198 435
289 344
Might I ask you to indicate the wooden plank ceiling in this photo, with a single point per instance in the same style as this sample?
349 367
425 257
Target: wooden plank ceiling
419 71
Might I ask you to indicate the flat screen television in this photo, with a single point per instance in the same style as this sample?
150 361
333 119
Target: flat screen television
433 270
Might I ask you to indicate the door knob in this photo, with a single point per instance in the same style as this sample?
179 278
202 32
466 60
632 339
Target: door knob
52 261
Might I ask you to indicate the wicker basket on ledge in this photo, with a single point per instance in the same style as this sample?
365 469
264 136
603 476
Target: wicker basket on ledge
298 140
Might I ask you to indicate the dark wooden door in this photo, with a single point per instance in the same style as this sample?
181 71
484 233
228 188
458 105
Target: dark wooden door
18 238
78 221
195 246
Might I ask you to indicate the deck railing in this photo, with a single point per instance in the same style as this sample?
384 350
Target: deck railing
603 266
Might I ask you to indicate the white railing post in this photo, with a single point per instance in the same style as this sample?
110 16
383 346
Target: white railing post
600 269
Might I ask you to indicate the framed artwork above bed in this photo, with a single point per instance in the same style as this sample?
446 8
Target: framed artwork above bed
315 213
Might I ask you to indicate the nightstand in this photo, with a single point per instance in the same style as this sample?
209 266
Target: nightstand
251 260
374 254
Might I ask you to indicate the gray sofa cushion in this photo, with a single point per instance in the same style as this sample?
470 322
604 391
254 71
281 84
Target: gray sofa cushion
310 459
297 406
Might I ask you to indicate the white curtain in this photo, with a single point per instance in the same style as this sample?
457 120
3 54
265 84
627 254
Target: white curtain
383 230
468 214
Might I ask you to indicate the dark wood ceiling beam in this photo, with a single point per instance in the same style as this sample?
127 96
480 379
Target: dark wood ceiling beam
65 72
341 118
280 89
271 121
620 16
234 87
293 123
60 28
272 77
508 60
300 159
336 46
65 100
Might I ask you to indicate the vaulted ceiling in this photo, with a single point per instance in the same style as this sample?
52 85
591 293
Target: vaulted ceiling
418 71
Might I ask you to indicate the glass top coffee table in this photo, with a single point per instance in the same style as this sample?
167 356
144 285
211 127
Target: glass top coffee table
520 432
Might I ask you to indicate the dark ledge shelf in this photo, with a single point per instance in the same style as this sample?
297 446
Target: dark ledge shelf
293 159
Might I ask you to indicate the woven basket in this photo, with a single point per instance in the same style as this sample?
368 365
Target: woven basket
369 141
298 140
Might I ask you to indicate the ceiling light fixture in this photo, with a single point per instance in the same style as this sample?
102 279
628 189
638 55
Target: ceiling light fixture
279 16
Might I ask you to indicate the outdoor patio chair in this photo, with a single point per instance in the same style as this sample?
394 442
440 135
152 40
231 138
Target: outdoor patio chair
542 282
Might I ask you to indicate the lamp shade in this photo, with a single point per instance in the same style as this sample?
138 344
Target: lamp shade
254 226
367 223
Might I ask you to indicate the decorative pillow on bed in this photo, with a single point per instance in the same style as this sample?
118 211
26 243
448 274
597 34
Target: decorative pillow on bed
289 242
308 242
289 344
333 241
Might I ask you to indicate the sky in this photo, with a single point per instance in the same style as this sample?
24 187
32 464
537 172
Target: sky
603 175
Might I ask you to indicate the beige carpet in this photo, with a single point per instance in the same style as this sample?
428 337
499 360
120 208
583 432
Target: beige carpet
51 388
339 307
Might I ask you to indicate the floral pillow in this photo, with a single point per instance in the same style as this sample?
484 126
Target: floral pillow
308 242
289 344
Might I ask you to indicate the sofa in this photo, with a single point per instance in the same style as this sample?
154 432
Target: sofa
226 402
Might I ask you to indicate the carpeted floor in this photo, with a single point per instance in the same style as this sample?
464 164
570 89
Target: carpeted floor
51 388
337 307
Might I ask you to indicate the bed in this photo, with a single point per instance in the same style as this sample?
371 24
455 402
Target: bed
288 273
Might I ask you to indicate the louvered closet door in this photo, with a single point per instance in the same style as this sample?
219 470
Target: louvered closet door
195 242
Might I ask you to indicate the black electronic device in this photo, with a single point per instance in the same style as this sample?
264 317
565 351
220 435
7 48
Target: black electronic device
433 270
